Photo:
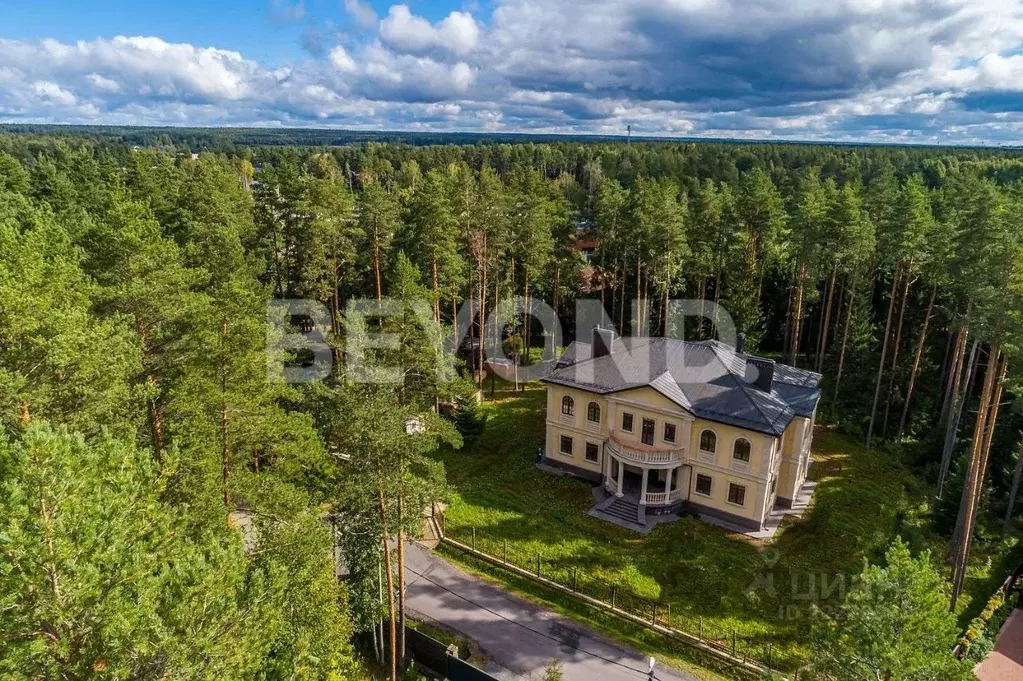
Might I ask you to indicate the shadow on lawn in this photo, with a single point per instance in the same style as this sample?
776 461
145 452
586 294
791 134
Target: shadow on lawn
764 591
700 570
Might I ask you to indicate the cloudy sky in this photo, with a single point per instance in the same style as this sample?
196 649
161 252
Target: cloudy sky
947 71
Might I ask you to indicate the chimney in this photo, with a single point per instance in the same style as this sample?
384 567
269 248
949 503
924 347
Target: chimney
760 372
740 343
603 342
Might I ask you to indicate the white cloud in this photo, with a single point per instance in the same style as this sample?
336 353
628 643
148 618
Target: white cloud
102 83
457 33
363 14
341 61
855 69
51 93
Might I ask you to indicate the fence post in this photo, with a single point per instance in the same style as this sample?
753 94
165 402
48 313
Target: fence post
575 579
537 563
668 618
701 627
653 616
506 551
474 539
768 657
612 596
733 643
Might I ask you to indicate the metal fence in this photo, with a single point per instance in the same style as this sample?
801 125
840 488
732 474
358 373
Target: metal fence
431 655
755 656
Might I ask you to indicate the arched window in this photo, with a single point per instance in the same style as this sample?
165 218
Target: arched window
593 412
708 441
567 405
741 450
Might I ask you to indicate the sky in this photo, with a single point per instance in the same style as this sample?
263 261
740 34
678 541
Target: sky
906 71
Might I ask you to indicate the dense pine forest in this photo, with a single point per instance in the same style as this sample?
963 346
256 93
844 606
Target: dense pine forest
142 433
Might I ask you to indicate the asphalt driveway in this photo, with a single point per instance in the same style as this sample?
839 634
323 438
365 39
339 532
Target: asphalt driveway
518 637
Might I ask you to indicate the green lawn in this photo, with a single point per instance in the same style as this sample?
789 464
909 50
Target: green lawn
762 591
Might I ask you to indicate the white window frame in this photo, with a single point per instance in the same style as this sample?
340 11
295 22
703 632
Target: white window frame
632 419
561 445
586 452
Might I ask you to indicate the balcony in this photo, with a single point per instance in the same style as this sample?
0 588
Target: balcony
643 454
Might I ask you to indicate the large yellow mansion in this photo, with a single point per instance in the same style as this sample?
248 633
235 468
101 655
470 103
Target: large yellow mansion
661 423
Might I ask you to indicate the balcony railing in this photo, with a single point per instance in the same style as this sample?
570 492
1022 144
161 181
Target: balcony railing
662 498
645 456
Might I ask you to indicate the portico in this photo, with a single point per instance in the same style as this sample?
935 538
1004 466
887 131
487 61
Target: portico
647 476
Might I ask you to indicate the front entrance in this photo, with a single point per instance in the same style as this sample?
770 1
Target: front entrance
632 483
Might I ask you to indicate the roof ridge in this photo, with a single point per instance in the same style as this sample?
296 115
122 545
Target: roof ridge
745 388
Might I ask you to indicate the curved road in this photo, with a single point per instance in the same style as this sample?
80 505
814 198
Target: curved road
517 635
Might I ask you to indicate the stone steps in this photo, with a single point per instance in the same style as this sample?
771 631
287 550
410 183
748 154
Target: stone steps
623 510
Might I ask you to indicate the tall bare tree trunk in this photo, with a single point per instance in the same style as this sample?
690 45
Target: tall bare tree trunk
845 339
822 346
638 319
717 299
225 450
983 430
703 300
787 341
454 322
482 284
401 579
959 403
525 312
664 311
797 315
907 275
884 353
390 587
916 361
949 361
1015 490
376 271
436 288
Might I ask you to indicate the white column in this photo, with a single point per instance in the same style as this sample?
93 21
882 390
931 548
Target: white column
642 491
621 478
609 462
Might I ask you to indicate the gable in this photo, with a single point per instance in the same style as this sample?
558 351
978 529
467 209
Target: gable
648 395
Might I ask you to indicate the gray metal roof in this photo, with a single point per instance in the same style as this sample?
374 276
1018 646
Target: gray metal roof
707 378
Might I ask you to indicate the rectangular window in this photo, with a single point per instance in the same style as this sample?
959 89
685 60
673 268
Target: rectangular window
703 485
736 494
566 445
592 452
669 432
627 422
648 432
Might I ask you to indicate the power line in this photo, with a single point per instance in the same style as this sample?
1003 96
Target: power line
642 672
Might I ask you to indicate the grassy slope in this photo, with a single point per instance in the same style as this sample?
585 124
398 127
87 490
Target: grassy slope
863 499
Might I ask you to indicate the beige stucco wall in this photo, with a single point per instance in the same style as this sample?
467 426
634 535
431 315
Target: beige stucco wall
795 455
576 426
765 457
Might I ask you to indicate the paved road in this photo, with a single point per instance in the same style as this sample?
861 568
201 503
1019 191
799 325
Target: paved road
516 634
